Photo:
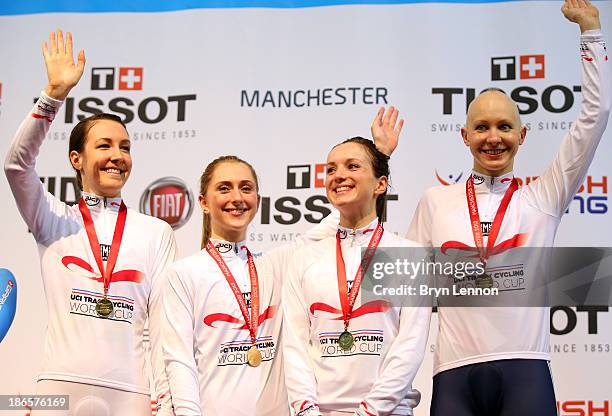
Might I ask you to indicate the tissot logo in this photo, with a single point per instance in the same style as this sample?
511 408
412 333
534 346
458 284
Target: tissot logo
300 176
556 98
148 110
103 78
503 68
223 247
168 199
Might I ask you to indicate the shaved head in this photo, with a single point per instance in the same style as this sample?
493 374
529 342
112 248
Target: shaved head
493 99
493 132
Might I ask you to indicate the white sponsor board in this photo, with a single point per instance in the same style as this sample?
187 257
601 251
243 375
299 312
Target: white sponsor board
278 87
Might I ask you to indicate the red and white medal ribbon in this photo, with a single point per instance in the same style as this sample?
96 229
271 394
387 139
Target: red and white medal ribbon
252 321
106 272
485 252
347 299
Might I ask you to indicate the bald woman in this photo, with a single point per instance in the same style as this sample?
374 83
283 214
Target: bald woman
495 361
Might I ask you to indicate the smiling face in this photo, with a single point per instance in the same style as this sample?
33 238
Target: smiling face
231 200
493 133
351 185
105 162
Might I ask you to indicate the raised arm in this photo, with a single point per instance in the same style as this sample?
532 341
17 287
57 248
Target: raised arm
39 209
386 129
556 187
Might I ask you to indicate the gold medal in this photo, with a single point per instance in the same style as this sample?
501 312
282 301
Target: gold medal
346 340
485 281
254 356
104 307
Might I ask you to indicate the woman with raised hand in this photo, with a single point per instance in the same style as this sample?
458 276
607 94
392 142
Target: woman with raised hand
495 360
101 263
343 354
222 305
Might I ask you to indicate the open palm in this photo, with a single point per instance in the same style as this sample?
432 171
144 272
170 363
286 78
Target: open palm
386 130
581 12
62 72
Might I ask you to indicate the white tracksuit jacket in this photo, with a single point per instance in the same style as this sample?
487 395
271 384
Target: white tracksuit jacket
80 346
474 335
375 376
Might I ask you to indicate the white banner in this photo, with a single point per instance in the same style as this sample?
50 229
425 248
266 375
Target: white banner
278 87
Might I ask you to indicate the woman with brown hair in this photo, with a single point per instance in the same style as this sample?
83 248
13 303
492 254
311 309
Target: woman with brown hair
101 262
346 355
223 304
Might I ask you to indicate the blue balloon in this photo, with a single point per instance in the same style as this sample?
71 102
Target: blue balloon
8 301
